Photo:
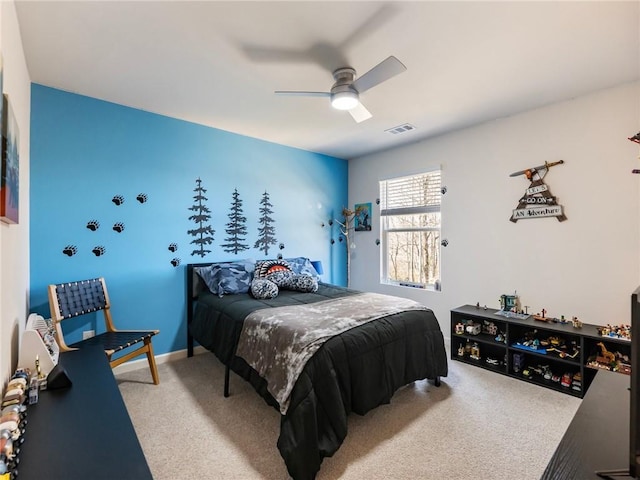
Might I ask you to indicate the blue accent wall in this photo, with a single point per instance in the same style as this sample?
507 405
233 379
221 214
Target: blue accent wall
85 152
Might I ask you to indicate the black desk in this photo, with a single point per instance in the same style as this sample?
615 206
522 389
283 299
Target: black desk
83 432
598 436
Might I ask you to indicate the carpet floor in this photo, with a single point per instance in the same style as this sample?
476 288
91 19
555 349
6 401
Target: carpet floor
476 425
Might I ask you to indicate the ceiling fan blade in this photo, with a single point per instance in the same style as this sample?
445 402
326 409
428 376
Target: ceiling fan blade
302 94
386 69
360 113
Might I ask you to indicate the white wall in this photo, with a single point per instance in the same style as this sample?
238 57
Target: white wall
14 239
586 266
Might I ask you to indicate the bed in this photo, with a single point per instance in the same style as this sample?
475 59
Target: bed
353 371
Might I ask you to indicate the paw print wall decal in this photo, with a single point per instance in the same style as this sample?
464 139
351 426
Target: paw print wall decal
118 200
175 261
70 250
142 197
118 227
173 247
93 225
99 251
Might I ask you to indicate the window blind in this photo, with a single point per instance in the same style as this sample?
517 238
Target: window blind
411 195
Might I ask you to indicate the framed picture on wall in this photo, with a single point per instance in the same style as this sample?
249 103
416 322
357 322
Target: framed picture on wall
362 219
9 168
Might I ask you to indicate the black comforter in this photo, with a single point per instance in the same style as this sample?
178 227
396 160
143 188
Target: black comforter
352 372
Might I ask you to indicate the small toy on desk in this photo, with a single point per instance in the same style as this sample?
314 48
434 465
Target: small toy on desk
475 351
13 422
509 303
492 361
473 328
41 377
576 323
576 383
621 331
542 316
518 361
510 307
606 360
489 328
605 355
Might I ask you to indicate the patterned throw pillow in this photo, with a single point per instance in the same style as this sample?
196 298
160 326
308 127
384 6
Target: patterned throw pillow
228 278
304 283
263 289
282 278
265 267
302 266
292 281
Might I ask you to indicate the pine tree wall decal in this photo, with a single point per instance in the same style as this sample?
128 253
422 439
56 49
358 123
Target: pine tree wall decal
266 232
236 228
200 217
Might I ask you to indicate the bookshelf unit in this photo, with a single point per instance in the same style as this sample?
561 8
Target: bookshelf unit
561 362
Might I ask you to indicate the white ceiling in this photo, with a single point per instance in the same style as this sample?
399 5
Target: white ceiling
218 63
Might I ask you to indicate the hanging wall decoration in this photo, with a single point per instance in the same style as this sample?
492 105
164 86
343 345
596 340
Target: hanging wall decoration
362 220
236 228
537 201
93 225
266 231
346 229
203 234
10 165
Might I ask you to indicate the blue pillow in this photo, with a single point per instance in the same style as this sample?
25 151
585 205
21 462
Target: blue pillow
228 278
302 266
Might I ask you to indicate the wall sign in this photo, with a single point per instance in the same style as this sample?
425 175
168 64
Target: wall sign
537 201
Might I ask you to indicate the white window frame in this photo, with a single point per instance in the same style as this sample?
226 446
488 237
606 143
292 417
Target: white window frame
396 199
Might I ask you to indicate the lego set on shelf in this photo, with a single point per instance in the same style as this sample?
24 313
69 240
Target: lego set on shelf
562 355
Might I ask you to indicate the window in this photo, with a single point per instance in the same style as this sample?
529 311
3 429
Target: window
410 224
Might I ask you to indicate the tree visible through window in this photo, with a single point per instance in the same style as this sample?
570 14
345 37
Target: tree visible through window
410 224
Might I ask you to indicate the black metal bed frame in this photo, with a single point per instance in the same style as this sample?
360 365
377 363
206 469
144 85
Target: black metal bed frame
190 303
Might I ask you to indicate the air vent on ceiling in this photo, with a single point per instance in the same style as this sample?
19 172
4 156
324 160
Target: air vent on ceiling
405 127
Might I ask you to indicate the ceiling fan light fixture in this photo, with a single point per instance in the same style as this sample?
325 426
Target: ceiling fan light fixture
344 100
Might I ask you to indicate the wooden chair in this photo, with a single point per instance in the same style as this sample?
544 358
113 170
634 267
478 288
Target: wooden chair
68 300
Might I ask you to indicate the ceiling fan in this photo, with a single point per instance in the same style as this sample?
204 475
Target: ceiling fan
345 93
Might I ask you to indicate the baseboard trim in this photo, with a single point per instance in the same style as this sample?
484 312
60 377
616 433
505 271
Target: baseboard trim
180 354
160 359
